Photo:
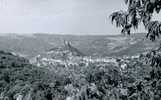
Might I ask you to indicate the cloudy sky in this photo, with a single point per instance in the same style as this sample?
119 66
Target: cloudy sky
58 16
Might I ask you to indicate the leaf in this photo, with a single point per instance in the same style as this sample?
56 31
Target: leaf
120 18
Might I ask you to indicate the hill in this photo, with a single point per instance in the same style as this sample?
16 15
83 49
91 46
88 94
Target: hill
117 45
76 77
8 60
19 80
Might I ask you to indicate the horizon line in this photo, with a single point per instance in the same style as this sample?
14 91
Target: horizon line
78 34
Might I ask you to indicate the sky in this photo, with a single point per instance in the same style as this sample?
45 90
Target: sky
59 16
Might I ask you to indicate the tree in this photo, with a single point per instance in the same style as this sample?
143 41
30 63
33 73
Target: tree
139 11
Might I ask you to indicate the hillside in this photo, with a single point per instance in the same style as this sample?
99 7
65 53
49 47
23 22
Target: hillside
79 68
117 45
103 77
19 80
62 74
8 60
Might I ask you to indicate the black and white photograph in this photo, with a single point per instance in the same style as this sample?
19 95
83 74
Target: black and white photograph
80 49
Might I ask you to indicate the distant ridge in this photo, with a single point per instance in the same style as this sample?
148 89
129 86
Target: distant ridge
100 45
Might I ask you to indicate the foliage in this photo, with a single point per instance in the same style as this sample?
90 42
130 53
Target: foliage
89 80
139 11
